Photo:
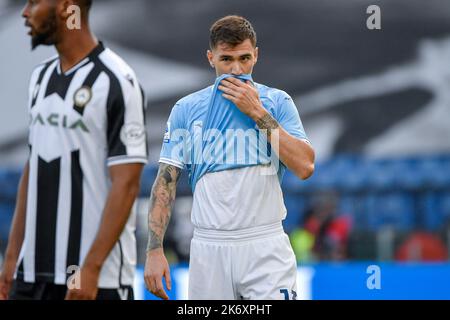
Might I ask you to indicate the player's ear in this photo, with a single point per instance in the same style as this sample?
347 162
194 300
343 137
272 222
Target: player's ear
210 57
62 8
256 54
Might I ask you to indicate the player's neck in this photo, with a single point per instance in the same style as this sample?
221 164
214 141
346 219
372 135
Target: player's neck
75 46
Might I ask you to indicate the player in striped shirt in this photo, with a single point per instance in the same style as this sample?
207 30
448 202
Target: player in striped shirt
73 229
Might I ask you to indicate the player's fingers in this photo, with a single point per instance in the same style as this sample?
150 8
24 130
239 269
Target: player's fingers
159 284
168 279
150 282
229 97
251 85
234 81
152 286
70 295
238 87
149 277
228 82
162 294
2 292
148 285
147 281
6 290
228 91
76 295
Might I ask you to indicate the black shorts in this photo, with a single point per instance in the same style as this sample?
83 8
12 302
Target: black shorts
49 291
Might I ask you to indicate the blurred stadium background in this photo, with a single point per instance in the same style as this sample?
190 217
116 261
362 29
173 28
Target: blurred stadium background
375 104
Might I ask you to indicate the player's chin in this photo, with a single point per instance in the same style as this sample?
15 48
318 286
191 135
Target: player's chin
37 40
45 37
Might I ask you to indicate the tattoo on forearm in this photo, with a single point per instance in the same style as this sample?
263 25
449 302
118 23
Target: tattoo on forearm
161 202
268 123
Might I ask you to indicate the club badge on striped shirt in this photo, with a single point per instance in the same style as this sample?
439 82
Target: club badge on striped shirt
82 96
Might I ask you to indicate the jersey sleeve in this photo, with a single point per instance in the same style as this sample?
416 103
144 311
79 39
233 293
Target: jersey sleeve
289 118
175 149
126 133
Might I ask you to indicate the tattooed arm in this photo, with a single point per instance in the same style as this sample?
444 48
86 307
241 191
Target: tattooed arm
161 202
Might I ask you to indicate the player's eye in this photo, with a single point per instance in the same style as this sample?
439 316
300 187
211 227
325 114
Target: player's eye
225 59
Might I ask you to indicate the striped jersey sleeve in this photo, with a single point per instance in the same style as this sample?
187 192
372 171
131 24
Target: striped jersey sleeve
126 134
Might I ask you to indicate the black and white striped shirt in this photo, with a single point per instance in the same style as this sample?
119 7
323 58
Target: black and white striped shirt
81 122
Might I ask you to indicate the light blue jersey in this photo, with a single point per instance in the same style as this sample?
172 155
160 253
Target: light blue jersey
208 133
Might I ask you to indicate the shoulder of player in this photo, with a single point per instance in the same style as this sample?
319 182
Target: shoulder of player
195 98
43 64
277 96
116 68
38 69
47 61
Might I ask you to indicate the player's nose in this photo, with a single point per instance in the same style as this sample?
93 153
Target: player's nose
236 69
26 10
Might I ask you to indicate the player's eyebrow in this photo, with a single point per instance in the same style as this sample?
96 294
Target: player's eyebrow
246 55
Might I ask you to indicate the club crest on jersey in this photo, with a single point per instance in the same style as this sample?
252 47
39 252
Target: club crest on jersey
82 97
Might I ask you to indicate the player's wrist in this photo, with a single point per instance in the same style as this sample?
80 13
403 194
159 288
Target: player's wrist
92 265
7 272
9 264
10 259
155 251
258 113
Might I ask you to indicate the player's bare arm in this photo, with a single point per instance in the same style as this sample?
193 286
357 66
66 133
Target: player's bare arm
125 186
161 203
296 154
15 237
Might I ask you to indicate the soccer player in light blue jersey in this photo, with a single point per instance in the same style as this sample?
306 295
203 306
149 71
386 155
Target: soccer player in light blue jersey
235 139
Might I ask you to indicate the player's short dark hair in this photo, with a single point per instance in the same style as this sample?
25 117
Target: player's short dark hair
232 30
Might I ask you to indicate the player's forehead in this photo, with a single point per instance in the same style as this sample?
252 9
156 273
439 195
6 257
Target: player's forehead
243 48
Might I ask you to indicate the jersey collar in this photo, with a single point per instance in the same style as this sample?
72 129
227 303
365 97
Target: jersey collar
90 57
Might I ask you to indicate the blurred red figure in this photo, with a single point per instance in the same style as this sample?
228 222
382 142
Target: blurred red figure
422 246
331 231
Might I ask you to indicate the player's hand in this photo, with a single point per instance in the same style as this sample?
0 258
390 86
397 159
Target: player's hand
244 95
5 286
88 285
157 267
6 280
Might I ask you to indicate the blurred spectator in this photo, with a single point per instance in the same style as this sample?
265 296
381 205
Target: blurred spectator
422 246
325 233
